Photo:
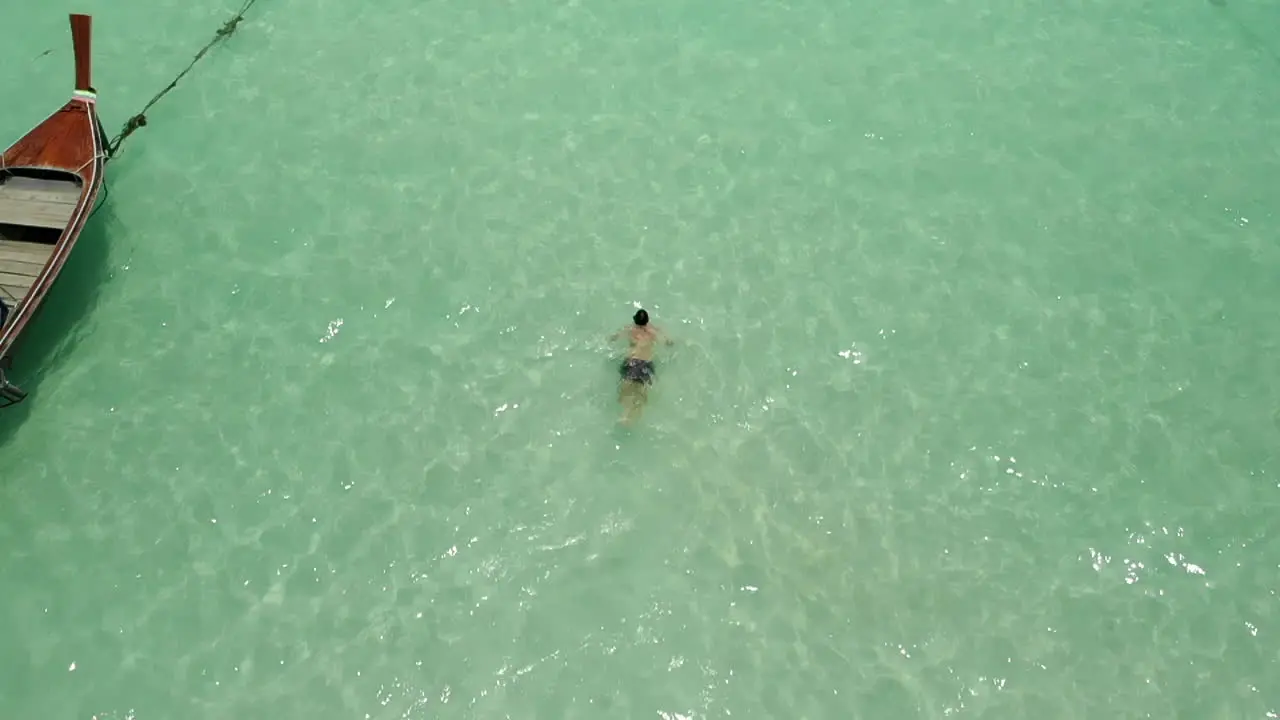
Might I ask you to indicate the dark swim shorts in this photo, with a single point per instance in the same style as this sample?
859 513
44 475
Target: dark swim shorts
637 370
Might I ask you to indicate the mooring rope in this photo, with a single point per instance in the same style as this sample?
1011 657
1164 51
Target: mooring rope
140 120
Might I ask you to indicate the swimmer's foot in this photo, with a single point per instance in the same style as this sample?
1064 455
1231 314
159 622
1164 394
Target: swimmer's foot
629 415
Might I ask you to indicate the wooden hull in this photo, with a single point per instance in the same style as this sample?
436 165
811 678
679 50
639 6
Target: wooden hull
50 180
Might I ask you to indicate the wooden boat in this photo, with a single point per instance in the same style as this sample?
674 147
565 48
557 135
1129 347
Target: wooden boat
49 185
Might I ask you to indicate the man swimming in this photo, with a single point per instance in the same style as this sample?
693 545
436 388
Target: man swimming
637 369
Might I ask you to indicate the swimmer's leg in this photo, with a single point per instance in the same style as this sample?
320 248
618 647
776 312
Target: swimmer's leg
632 395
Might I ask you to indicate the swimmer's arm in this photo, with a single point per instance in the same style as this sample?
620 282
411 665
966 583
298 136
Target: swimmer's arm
666 339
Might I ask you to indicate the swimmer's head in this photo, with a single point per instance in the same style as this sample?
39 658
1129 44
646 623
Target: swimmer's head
641 317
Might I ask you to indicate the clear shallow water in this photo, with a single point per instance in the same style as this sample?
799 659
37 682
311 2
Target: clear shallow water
971 411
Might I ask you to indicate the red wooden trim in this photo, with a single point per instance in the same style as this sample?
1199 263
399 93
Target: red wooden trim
82 40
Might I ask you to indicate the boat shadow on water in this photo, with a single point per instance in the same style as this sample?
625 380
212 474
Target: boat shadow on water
58 325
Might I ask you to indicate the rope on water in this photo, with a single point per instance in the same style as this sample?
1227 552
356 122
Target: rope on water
140 120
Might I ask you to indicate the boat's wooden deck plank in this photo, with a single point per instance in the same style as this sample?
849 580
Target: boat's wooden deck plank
15 248
17 278
14 290
57 198
24 252
13 296
35 213
23 269
20 265
17 187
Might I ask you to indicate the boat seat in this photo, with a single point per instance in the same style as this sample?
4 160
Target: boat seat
36 202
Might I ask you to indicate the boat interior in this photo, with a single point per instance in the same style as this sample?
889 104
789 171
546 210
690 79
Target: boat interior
35 207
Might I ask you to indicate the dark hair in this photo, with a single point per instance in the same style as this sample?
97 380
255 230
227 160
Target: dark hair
641 317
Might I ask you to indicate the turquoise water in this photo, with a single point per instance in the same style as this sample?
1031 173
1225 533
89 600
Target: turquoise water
972 410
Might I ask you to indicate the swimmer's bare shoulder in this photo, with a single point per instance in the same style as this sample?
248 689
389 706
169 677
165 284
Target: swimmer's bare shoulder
641 334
